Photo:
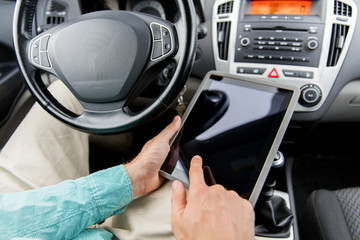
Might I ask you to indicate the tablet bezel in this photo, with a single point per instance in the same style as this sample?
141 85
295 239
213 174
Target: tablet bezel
232 79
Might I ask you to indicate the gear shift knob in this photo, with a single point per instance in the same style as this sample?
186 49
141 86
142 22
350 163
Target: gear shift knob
276 167
273 217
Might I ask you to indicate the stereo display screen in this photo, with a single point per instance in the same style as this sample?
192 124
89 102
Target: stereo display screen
280 7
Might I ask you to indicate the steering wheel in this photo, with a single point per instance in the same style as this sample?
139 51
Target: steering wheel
105 58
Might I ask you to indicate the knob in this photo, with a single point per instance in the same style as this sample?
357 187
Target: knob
202 31
312 44
245 41
310 95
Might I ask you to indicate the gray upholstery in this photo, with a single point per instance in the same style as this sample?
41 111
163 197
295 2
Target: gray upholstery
349 200
332 215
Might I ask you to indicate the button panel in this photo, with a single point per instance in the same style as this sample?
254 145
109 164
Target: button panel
278 57
39 52
162 41
255 71
298 74
288 44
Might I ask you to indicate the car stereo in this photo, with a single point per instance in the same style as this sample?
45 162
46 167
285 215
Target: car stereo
302 43
280 32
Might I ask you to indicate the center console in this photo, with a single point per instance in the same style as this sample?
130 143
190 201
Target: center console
302 43
299 42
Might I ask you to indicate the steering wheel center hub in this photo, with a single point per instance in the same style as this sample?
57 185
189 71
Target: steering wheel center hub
101 55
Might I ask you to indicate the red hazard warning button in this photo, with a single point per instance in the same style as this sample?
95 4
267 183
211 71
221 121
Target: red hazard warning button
273 74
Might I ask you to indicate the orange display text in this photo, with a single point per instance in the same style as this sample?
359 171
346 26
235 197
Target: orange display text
269 7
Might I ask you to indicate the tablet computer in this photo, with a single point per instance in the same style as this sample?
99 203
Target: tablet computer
236 125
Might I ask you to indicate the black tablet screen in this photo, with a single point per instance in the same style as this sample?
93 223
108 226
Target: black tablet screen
232 126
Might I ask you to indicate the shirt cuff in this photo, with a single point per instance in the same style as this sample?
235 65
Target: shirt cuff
112 190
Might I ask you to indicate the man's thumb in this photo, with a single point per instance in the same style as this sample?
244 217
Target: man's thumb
178 199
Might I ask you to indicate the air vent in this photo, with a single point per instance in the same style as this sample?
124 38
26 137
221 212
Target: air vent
338 37
56 11
223 33
342 9
57 7
226 7
55 20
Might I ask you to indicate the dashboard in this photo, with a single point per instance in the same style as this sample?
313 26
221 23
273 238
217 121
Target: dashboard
300 42
309 44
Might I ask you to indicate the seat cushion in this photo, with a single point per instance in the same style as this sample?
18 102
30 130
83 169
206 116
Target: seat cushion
331 215
349 200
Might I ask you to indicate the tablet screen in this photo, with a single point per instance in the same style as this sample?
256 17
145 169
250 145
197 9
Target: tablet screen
232 125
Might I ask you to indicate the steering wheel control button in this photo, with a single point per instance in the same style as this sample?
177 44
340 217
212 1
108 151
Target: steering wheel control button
44 43
255 71
166 40
44 60
35 53
162 41
310 95
39 53
156 31
273 73
157 51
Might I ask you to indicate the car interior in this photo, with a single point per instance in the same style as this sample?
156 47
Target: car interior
313 188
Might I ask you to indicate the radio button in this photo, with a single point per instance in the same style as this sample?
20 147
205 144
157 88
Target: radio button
260 42
312 44
313 30
259 48
293 39
247 28
302 59
295 49
249 56
245 41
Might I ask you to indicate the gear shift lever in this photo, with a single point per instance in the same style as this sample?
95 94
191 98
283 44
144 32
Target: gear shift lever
273 217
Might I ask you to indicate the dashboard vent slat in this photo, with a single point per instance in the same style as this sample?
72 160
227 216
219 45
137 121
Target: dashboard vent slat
338 37
57 7
223 33
226 8
342 9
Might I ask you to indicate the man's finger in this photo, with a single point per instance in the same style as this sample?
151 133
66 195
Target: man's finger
171 129
196 174
178 199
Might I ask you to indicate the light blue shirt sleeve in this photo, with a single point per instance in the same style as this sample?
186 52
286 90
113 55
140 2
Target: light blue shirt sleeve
66 210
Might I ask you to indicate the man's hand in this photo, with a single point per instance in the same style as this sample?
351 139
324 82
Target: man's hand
209 212
144 169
